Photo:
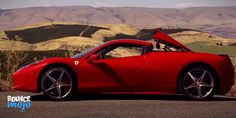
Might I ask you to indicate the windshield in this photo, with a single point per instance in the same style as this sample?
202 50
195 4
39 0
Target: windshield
85 52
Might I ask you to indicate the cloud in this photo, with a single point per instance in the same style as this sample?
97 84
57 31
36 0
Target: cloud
186 5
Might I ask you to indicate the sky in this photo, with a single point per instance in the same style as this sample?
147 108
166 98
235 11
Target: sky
10 4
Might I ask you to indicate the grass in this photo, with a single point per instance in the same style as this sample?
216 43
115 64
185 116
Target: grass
120 28
212 48
48 31
186 37
215 49
41 24
44 33
3 35
58 44
31 55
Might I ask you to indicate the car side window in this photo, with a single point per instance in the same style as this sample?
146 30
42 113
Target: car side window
123 50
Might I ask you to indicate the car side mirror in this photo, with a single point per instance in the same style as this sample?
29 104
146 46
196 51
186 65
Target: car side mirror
94 58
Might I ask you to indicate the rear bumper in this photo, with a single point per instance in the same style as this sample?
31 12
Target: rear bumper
227 76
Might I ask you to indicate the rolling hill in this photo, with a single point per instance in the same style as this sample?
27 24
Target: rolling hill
55 36
77 37
215 20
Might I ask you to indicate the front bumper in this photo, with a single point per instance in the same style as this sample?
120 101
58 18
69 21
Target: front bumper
26 79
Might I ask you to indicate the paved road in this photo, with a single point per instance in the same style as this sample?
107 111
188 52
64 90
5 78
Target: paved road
131 106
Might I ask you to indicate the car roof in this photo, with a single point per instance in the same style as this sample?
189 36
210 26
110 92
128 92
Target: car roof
130 41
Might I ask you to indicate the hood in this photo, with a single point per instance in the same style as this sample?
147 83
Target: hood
164 38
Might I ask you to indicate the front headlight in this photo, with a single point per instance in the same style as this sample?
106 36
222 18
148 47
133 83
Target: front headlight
34 63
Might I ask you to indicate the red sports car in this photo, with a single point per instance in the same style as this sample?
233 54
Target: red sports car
130 66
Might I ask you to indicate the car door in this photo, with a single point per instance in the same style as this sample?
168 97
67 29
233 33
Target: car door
119 69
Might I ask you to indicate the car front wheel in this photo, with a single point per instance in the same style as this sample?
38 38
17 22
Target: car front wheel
57 83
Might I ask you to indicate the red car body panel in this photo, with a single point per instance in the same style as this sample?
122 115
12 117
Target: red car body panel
151 73
26 78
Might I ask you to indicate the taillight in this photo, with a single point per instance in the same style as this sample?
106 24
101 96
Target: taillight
227 58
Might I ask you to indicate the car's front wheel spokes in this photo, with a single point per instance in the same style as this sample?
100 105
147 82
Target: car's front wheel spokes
51 78
61 76
50 88
199 92
59 90
57 83
192 77
190 86
202 76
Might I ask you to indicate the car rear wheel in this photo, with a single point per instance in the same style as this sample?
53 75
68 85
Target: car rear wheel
198 83
58 83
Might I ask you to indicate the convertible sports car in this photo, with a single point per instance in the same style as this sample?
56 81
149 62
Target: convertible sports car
130 66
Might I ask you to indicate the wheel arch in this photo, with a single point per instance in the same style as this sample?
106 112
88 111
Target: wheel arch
188 66
51 66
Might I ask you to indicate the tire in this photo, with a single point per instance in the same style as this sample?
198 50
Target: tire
58 83
198 83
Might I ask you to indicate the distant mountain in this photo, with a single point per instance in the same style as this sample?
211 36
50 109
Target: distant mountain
217 20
